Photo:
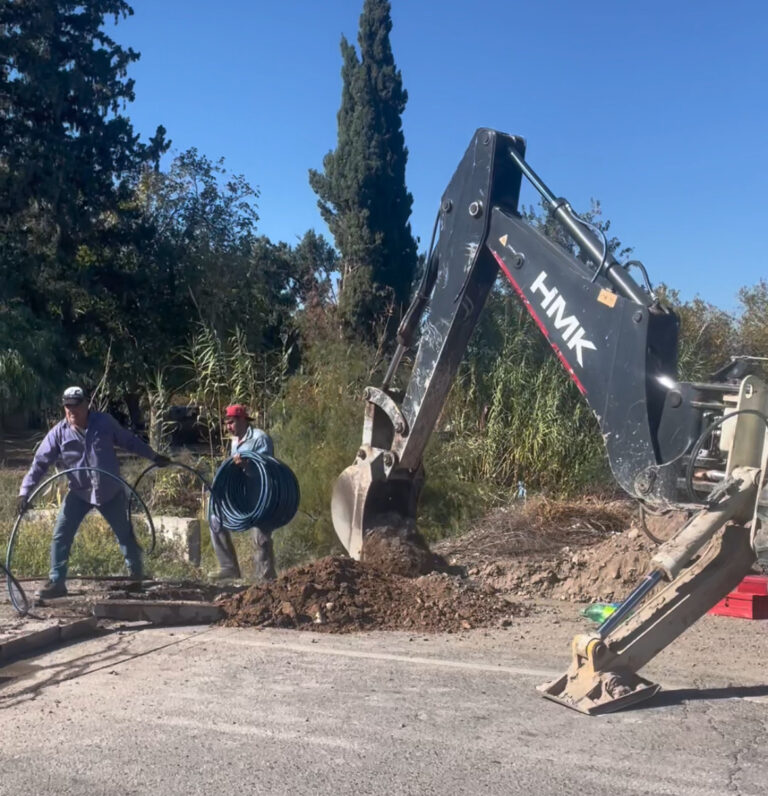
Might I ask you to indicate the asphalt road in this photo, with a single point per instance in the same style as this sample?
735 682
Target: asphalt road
233 711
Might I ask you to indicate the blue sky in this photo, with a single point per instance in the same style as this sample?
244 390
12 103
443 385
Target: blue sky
657 109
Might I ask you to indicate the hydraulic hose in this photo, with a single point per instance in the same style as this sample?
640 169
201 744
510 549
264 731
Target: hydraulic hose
16 593
700 441
264 493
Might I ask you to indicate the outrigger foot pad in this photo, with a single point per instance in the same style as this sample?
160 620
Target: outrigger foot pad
609 691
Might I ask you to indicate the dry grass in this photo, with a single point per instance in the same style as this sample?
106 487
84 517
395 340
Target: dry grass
540 526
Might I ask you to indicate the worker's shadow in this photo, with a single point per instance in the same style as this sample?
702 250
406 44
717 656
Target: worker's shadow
676 696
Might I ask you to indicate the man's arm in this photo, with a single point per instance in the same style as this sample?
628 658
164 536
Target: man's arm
128 441
262 443
45 455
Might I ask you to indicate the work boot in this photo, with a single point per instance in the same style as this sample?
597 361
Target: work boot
51 590
264 571
135 583
219 575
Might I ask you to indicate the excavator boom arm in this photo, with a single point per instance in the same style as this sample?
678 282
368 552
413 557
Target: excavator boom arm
613 338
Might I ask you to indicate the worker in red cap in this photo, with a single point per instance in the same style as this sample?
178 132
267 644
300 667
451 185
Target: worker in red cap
245 437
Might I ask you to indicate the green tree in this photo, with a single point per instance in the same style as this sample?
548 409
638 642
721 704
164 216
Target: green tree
68 156
196 263
753 324
362 193
315 263
186 238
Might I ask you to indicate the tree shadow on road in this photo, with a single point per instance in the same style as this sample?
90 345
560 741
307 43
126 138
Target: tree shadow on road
42 675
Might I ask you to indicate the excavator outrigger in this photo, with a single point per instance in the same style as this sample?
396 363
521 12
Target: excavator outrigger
670 444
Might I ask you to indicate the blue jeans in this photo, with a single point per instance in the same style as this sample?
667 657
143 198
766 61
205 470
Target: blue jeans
71 515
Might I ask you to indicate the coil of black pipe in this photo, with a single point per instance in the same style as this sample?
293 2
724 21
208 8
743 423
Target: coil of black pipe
262 493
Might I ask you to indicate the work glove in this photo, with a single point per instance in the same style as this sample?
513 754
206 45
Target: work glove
21 504
161 461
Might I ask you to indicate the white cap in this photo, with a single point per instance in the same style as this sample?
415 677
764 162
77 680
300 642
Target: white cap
73 396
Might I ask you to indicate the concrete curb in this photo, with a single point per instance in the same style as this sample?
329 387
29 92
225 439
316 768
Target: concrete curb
160 612
49 636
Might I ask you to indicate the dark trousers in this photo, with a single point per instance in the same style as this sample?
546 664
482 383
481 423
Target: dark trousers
72 513
263 552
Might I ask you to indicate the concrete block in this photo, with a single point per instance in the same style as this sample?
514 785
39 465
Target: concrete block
29 642
78 628
183 531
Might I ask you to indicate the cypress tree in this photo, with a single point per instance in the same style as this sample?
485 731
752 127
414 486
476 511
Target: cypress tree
362 193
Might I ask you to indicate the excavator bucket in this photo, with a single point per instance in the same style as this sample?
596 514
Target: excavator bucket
350 493
366 496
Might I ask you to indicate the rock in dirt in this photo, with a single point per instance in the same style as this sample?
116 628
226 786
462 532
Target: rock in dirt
339 595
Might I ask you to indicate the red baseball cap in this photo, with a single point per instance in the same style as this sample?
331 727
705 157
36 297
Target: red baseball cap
237 410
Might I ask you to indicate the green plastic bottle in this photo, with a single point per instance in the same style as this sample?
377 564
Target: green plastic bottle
599 612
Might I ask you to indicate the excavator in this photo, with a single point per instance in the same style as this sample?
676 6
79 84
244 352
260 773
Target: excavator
694 447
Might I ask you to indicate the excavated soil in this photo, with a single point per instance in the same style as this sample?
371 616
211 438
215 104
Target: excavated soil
579 551
607 572
396 547
339 595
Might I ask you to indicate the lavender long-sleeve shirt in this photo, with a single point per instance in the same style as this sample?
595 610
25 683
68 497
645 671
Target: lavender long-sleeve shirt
95 448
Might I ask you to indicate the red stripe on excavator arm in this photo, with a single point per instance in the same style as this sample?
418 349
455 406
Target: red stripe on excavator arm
532 311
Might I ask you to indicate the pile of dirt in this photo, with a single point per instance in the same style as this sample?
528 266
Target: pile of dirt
538 527
579 551
607 571
395 546
340 595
